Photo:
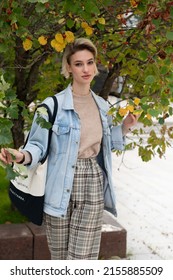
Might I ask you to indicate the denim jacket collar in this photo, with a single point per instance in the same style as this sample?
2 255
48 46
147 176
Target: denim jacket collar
69 105
68 99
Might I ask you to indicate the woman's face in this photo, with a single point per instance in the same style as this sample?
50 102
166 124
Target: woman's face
82 66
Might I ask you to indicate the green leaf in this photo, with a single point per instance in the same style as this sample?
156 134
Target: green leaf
2 105
42 111
145 107
43 1
3 85
13 111
11 95
161 121
144 100
171 12
169 49
20 170
5 137
43 123
168 62
164 101
170 111
40 8
33 1
14 19
145 153
3 47
2 95
153 112
150 79
11 174
70 23
169 35
112 53
90 7
156 22
2 164
164 70
143 55
5 131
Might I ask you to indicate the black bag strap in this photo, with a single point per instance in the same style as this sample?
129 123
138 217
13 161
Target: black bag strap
51 118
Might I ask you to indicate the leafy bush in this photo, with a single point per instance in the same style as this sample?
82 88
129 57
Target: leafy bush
7 213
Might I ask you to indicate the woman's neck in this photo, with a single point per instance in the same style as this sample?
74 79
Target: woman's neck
80 90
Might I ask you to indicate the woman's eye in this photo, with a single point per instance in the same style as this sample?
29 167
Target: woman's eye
91 62
78 64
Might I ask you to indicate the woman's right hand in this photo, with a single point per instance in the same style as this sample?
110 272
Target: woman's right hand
9 156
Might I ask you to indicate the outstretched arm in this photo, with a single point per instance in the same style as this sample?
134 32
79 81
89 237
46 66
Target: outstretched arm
9 155
118 132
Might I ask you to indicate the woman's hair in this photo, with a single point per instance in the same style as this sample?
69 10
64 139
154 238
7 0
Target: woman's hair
79 44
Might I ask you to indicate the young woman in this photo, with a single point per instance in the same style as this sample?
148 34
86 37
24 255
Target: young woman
79 184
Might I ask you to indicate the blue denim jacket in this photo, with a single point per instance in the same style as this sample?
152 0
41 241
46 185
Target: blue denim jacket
64 151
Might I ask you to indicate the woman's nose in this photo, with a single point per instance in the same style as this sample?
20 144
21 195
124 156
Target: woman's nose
85 68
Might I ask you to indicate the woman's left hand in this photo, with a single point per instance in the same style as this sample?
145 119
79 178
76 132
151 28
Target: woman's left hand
129 121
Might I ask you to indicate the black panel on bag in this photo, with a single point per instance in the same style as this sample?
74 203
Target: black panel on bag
30 206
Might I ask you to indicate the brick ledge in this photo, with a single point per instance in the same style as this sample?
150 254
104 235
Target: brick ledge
28 241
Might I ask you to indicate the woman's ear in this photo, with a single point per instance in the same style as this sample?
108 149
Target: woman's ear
68 68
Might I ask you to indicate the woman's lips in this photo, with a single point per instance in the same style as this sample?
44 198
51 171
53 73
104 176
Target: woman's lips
86 77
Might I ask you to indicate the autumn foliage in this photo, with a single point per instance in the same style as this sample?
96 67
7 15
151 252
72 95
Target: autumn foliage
134 41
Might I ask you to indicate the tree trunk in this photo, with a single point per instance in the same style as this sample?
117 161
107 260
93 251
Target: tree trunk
26 74
17 132
112 75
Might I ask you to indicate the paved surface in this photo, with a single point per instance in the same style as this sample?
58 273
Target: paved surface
145 204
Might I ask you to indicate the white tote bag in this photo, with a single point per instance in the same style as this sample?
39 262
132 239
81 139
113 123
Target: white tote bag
27 191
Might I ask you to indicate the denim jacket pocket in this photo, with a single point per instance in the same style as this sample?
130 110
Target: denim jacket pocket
60 138
60 129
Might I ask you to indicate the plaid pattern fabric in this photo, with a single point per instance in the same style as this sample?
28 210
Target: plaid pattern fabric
77 236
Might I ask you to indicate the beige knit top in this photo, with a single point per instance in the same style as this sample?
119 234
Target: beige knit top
91 127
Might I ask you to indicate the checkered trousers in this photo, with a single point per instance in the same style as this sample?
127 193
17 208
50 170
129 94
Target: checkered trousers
77 236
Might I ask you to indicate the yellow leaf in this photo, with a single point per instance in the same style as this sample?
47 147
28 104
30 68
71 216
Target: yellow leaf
47 61
93 21
89 30
59 38
130 108
58 43
119 16
109 113
69 37
134 3
101 20
136 101
137 112
42 40
59 47
123 112
53 42
148 116
61 21
84 25
27 44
